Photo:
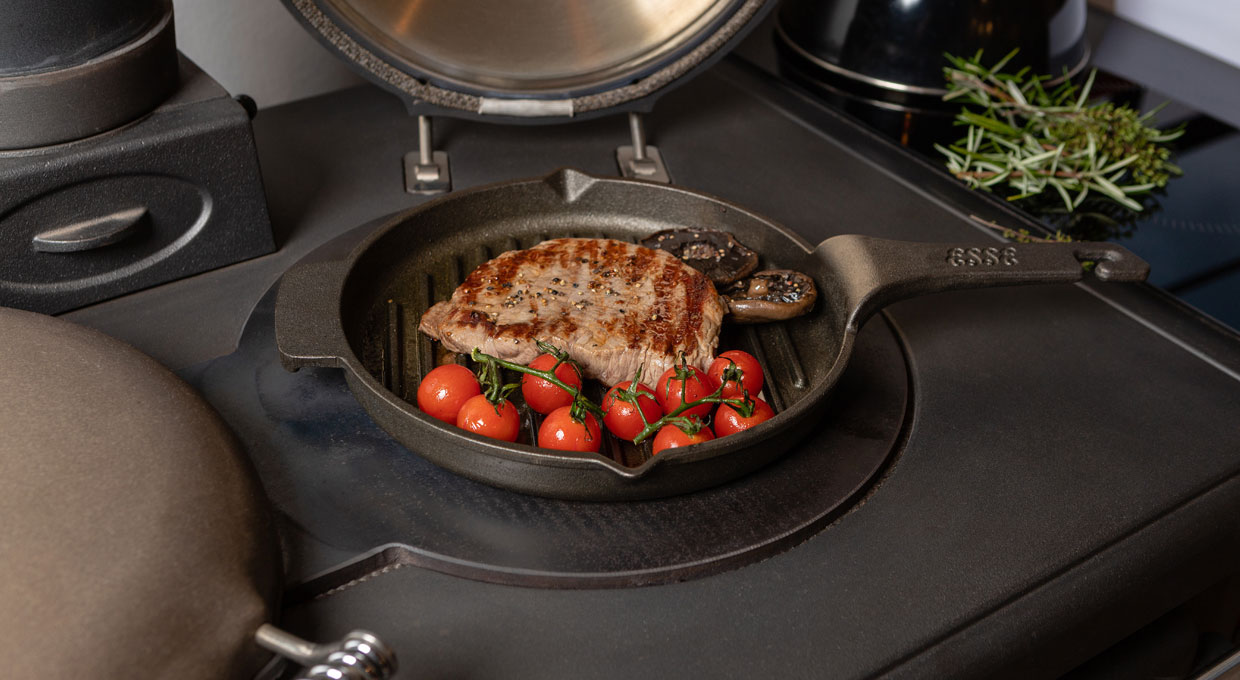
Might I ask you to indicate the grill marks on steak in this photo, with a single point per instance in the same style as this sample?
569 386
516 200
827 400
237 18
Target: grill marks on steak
611 305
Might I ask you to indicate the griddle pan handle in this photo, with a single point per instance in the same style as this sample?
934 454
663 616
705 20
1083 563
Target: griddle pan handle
871 273
308 329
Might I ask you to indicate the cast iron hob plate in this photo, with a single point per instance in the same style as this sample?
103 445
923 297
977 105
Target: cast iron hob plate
350 500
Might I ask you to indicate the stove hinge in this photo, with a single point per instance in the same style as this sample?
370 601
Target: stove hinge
359 656
641 161
426 170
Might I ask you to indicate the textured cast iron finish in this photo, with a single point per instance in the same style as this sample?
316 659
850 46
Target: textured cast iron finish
341 314
82 98
177 193
514 78
137 539
894 50
333 475
43 35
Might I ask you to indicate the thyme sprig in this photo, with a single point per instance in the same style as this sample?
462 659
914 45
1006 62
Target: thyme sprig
1028 140
1023 236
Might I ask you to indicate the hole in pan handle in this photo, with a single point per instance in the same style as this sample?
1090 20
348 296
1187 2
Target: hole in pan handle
865 274
308 321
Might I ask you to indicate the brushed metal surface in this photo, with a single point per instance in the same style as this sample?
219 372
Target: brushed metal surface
531 45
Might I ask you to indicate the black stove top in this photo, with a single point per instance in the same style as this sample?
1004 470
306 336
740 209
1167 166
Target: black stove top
1066 469
1190 233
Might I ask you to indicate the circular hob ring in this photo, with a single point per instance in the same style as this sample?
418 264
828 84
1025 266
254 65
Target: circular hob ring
348 493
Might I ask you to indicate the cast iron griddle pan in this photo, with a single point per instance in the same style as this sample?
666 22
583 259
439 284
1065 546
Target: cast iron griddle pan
361 314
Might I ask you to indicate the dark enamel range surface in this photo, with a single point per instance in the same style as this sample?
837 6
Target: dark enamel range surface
997 543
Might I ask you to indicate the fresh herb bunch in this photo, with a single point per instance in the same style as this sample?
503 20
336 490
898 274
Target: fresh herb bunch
1028 139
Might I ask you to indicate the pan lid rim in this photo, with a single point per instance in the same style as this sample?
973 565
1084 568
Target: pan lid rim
463 96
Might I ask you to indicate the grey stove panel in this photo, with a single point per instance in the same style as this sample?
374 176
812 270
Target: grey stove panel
1070 471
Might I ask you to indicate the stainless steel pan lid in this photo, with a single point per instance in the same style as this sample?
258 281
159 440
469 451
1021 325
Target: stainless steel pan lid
541 60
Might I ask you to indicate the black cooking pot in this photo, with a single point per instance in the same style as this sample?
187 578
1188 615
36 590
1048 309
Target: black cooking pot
893 49
74 68
361 314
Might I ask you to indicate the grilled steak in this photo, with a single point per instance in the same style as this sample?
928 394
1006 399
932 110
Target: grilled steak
613 306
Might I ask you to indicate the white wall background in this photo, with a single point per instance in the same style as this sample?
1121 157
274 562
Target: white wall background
1209 26
256 47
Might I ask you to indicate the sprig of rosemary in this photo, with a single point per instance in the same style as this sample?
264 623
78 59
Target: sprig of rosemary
1029 140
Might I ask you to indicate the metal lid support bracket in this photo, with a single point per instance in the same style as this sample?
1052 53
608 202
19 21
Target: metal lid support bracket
640 160
426 170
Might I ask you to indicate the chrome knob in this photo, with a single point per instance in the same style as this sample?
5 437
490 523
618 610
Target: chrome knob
359 656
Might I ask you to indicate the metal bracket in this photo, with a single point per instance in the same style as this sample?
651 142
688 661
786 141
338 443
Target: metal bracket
641 161
426 171
359 656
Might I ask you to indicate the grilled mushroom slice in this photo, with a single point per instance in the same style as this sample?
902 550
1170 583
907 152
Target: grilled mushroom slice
772 295
714 253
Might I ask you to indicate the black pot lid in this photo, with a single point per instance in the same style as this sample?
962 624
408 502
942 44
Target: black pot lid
529 59
136 541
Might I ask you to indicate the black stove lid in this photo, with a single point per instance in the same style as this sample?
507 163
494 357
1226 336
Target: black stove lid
529 60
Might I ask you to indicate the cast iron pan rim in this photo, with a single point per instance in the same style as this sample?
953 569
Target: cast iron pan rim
390 222
524 453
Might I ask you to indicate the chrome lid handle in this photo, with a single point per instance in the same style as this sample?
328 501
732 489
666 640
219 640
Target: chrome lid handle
359 656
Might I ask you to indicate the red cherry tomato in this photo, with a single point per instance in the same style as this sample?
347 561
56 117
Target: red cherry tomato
445 389
671 437
623 418
752 373
544 396
559 431
672 391
728 421
480 416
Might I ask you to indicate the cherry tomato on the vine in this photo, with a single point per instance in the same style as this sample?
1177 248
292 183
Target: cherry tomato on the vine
559 431
751 379
623 418
445 389
544 396
671 391
497 421
671 437
729 421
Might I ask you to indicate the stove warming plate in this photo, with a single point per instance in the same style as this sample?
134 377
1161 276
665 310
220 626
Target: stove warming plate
360 497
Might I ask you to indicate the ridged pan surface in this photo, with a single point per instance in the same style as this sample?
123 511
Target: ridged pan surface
362 314
417 258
